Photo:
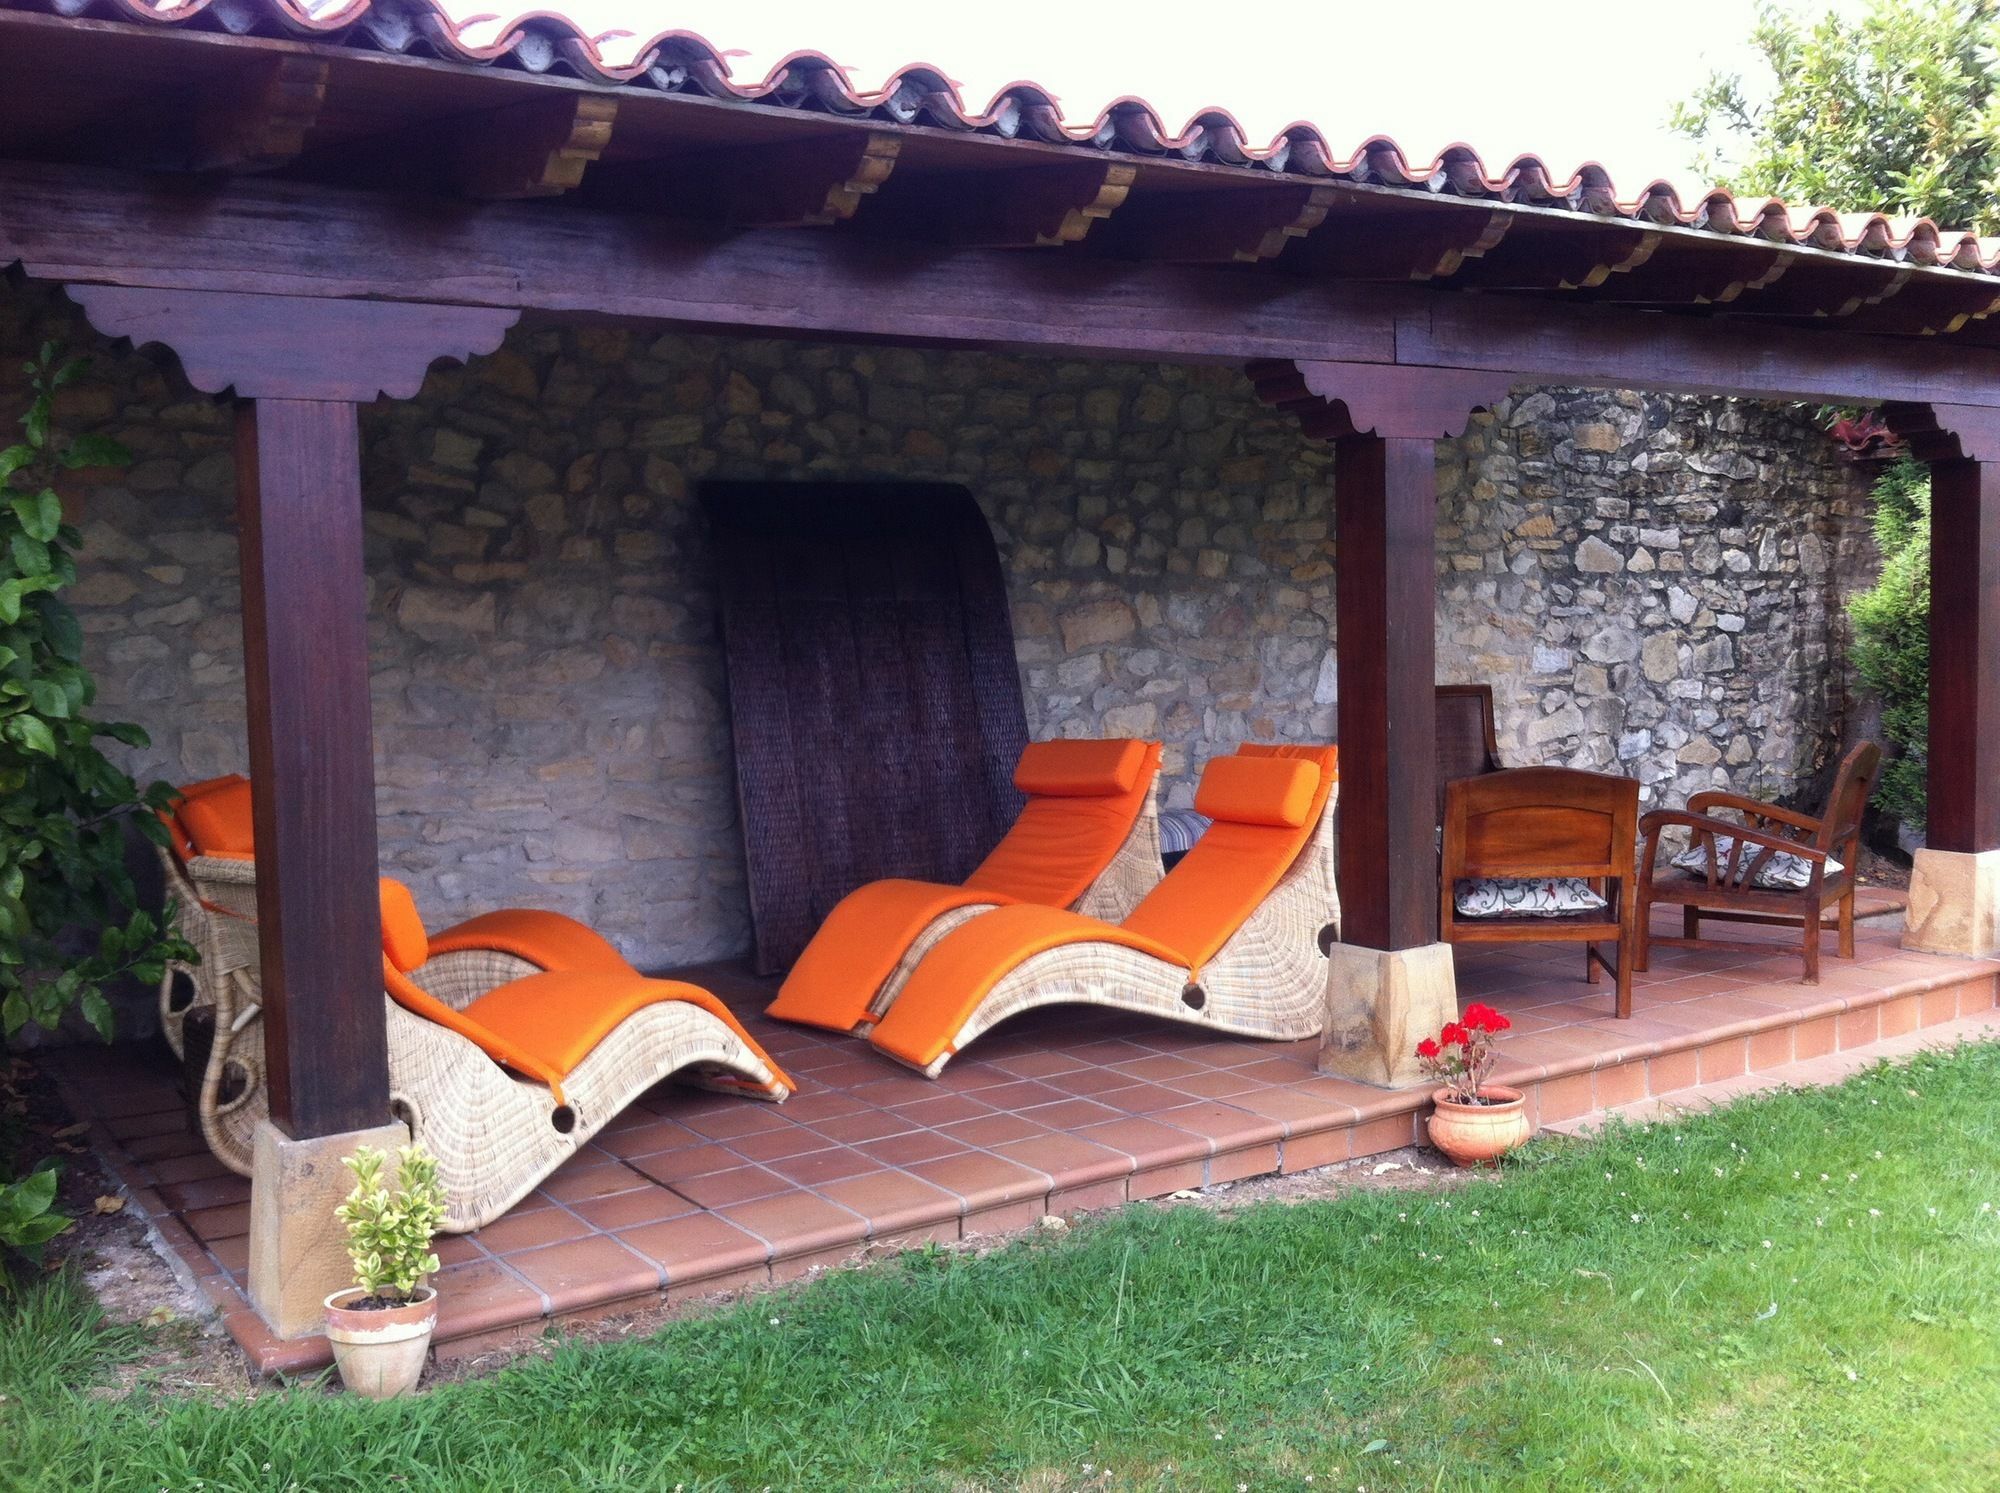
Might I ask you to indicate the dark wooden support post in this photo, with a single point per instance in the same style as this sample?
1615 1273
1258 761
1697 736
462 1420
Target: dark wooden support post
1964 791
301 369
305 646
1385 592
1955 884
1389 981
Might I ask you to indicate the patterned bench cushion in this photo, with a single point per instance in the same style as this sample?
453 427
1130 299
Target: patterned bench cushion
1525 897
1783 872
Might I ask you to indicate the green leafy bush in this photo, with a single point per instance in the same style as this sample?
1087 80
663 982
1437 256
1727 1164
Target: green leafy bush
28 1217
1892 634
389 1231
64 806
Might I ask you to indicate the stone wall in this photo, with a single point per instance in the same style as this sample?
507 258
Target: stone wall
1653 583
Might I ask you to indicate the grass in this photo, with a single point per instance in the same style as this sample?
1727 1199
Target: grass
1802 1291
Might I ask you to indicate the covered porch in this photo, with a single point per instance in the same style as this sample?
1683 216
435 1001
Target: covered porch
688 1196
1379 302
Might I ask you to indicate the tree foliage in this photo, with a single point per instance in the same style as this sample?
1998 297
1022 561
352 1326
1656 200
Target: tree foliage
1895 110
1892 634
70 920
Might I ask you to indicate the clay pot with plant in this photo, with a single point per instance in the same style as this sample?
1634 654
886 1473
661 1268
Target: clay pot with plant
1474 1121
381 1327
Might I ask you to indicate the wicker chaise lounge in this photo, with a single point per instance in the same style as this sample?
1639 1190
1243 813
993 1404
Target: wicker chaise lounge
503 1087
214 884
1087 840
1233 938
211 817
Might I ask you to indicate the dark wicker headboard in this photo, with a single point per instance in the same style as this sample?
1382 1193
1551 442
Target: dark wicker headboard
872 687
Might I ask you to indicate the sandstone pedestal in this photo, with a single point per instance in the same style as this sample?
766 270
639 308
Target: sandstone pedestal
298 1249
1379 1005
1954 903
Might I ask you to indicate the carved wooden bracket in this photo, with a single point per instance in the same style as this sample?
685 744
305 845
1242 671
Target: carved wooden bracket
1332 400
1017 209
1239 227
1947 432
296 347
263 122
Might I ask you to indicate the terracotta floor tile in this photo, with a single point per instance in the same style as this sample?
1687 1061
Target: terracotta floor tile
1293 1106
210 1192
1068 1160
647 1139
893 1201
770 1145
573 1273
518 1230
1042 1064
1229 1128
1158 1066
815 1167
574 1183
993 1130
1021 1094
737 1185
689 1161
482 1295
1070 1114
810 1109
745 1119
866 1124
624 1210
894 1086
918 1145
219 1223
1145 1099
797 1222
983 1180
942 1109
697 1246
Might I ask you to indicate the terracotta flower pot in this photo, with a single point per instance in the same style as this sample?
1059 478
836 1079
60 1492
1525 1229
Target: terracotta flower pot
1474 1133
381 1352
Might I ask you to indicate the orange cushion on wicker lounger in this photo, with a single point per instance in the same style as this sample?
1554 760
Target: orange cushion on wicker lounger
217 818
1085 796
1185 920
548 940
541 1026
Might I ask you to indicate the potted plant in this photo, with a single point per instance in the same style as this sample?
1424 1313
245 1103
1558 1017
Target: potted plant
381 1327
1474 1121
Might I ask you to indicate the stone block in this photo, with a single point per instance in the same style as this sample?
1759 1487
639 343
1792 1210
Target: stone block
298 1249
1954 903
1379 1005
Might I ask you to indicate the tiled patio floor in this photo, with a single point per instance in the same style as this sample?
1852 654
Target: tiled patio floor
690 1193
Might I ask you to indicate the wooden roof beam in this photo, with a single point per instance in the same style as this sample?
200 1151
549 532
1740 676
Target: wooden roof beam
1577 258
538 148
784 184
1029 207
1240 225
1431 242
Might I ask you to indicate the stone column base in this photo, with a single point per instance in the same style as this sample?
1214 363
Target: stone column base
298 1249
1954 903
1380 1003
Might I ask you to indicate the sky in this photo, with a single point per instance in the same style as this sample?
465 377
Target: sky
1569 80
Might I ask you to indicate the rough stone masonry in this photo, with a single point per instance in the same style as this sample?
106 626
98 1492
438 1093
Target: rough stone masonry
1651 585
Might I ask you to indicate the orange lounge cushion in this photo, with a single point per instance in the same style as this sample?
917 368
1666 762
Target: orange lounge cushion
968 962
560 1018
1184 921
404 942
1061 843
859 946
547 940
1273 791
216 818
1076 768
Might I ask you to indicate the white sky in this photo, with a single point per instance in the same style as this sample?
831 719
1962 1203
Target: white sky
1570 80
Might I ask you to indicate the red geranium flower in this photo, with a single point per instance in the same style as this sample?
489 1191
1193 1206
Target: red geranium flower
1483 1018
1454 1034
1428 1048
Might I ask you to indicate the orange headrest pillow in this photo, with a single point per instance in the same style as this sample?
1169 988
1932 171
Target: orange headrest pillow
1275 791
1081 769
404 942
215 817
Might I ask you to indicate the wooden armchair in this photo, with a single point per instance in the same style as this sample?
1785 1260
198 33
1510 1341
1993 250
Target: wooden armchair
1534 824
1466 746
1739 852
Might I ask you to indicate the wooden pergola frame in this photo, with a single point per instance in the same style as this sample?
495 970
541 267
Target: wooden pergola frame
1382 317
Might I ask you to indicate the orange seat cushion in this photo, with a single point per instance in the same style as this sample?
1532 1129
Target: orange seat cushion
859 946
1061 843
1184 921
404 943
216 818
1079 768
547 940
560 1018
957 974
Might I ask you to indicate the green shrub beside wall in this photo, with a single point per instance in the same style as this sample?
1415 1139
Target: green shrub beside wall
1892 634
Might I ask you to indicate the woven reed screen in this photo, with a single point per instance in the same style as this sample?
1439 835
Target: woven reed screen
872 688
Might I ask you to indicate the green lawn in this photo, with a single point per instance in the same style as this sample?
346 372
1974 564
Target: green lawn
1799 1292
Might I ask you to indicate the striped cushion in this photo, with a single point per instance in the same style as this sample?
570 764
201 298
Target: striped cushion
1179 829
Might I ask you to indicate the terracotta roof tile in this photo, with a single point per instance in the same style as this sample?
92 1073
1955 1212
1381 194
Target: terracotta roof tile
679 61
